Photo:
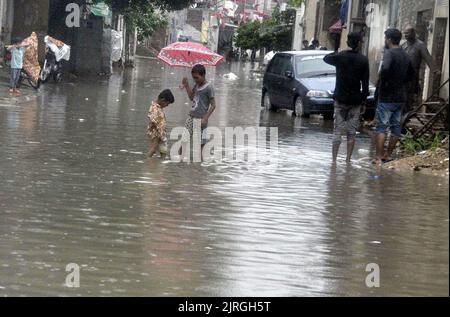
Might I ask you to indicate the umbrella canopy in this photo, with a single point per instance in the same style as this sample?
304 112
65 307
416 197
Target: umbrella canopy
188 54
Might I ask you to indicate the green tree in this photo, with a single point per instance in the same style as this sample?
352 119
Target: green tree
146 15
296 3
248 36
277 32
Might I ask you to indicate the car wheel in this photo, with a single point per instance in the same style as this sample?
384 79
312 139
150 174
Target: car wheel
266 101
299 108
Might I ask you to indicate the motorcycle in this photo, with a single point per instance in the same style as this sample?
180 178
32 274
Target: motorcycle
25 76
55 52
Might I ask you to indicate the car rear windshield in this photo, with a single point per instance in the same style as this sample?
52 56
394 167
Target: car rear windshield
306 66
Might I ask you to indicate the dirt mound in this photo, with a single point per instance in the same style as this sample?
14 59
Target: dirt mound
434 161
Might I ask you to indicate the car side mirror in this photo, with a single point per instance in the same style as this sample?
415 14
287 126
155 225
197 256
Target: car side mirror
289 74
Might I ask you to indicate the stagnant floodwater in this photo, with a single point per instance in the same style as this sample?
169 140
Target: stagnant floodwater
76 188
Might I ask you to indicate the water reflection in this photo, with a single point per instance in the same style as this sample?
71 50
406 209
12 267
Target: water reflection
77 187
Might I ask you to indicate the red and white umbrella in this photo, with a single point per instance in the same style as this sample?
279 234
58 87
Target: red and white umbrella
188 54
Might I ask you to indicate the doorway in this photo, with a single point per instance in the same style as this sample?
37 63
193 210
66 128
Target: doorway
438 51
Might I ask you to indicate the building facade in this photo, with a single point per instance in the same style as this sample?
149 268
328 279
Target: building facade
373 17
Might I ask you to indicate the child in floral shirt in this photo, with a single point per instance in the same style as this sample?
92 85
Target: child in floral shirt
157 123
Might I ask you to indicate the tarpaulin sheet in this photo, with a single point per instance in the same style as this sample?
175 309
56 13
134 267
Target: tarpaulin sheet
100 9
30 57
60 49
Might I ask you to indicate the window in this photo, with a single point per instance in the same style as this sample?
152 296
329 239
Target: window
280 64
310 65
285 64
274 67
330 14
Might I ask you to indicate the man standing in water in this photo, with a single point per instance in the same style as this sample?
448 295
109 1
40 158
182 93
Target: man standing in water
352 89
395 74
418 52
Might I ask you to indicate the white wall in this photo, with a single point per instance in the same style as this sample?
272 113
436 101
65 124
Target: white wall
376 39
310 19
298 30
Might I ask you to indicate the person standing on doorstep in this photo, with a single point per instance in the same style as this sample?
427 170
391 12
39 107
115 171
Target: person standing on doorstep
395 74
315 44
418 52
305 45
351 92
17 49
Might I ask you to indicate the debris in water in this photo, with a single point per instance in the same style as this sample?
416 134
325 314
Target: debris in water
230 76
363 151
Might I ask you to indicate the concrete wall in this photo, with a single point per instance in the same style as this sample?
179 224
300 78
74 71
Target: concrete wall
408 11
195 18
318 25
87 47
441 11
90 43
31 16
6 19
310 19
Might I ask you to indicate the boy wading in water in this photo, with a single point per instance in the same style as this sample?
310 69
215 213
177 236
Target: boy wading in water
204 103
157 124
17 49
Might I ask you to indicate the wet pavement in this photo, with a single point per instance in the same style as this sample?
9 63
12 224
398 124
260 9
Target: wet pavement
77 188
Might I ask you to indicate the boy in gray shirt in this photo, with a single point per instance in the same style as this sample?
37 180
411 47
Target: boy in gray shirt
202 95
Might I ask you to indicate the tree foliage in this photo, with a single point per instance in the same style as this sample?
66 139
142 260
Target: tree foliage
275 33
167 5
296 3
248 35
146 15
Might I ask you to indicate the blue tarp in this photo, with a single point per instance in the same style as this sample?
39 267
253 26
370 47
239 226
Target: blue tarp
343 12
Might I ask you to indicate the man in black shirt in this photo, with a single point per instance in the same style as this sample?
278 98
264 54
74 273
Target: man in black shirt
395 74
352 89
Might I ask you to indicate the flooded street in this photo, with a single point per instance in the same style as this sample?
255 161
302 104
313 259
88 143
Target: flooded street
76 187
